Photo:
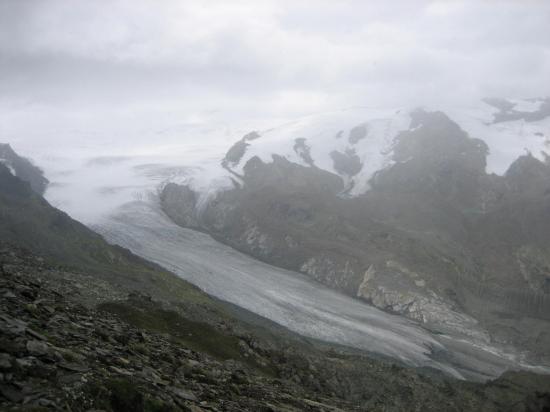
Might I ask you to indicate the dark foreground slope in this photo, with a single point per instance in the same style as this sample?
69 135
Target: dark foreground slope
132 354
125 355
83 336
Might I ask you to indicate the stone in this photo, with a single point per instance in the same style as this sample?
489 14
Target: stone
37 348
35 334
31 308
123 361
120 371
46 403
6 361
74 367
183 394
193 363
11 393
12 326
49 309
24 363
69 379
41 370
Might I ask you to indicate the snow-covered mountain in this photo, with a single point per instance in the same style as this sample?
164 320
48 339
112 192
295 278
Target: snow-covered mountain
439 214
356 143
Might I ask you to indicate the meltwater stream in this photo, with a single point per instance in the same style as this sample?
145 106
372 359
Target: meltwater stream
291 299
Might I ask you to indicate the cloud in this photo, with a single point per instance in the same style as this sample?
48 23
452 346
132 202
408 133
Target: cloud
264 59
178 81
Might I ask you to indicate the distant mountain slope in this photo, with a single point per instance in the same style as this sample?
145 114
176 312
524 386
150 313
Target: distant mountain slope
402 211
27 220
356 143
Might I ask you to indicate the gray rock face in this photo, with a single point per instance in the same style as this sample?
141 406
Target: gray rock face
347 163
181 195
357 133
303 150
237 151
450 245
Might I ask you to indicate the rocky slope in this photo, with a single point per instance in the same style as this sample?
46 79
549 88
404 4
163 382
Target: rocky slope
58 354
412 221
133 354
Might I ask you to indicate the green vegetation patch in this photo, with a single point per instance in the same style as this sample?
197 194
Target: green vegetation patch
198 336
123 395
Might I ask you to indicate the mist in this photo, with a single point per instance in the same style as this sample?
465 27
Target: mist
163 82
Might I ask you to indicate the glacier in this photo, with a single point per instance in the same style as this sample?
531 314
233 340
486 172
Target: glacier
293 300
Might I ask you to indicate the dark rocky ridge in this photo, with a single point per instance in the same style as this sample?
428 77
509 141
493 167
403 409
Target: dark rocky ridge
237 151
23 168
303 150
347 163
57 354
357 133
436 238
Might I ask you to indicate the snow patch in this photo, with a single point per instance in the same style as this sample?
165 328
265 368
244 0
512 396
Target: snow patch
328 133
506 140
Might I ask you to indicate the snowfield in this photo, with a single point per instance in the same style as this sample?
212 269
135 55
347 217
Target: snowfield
327 133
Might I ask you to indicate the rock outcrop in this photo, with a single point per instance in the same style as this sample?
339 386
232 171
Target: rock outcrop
23 168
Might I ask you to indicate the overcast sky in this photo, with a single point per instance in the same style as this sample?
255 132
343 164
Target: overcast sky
75 66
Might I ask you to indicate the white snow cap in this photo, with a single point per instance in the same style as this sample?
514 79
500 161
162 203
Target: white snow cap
367 136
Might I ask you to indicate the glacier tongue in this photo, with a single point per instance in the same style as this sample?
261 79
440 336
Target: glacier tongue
291 299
